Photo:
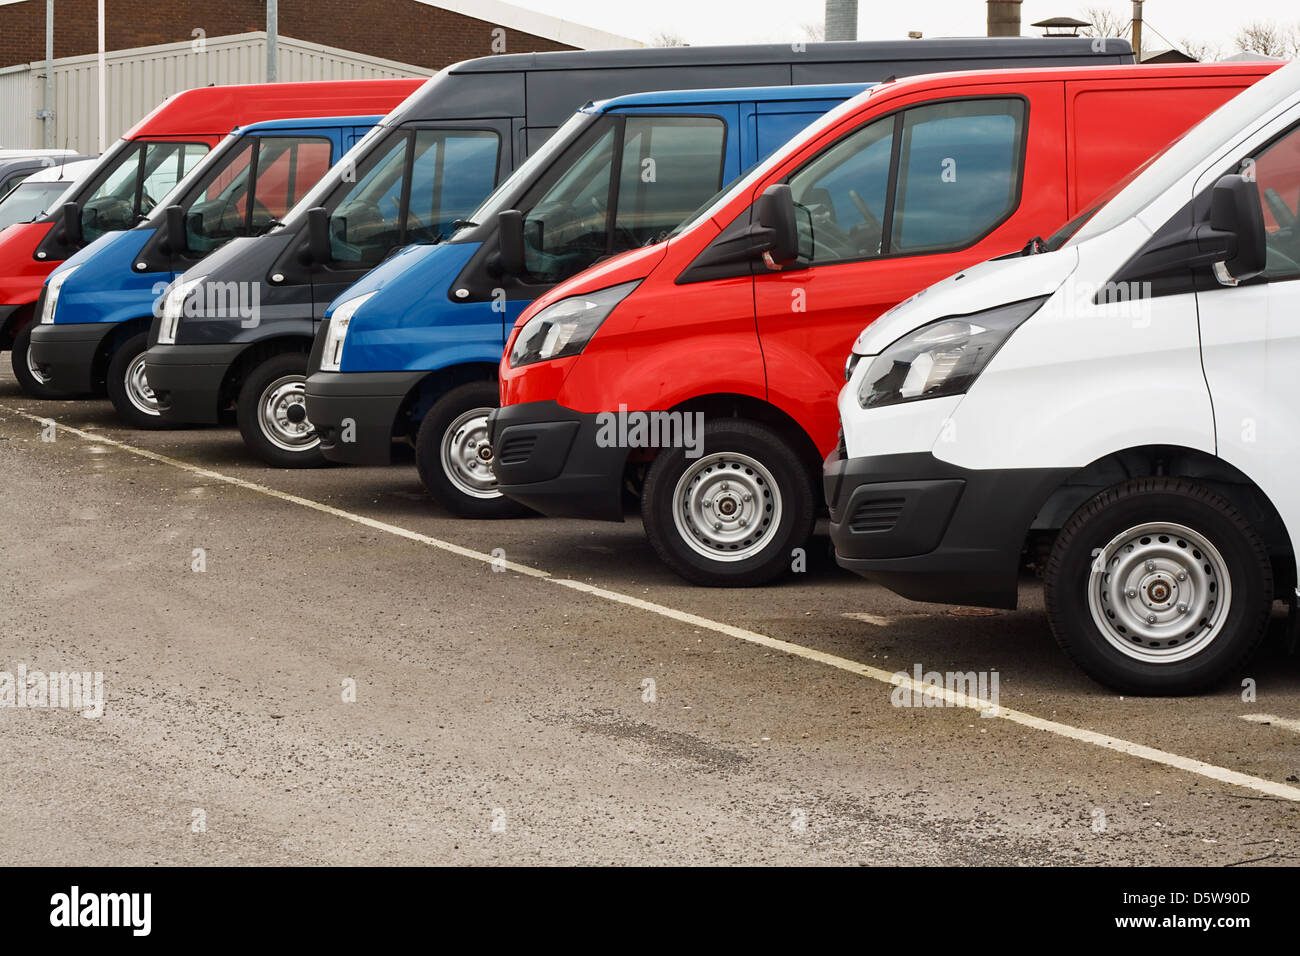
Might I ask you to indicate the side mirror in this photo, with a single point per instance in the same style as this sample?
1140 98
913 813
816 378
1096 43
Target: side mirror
776 217
177 238
318 235
510 239
1237 216
72 235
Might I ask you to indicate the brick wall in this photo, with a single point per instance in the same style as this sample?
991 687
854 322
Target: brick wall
400 30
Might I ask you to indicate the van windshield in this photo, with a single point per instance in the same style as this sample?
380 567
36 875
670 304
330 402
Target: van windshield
128 185
251 187
27 201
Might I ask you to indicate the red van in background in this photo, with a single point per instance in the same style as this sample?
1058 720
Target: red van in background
702 371
145 163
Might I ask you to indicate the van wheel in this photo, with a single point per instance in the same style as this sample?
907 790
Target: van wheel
128 389
453 456
271 411
29 376
1158 586
732 516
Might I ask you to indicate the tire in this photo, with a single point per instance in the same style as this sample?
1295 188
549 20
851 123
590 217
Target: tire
271 412
127 388
29 379
758 549
1118 560
448 454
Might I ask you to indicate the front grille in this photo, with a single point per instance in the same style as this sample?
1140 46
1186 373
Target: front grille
876 515
516 449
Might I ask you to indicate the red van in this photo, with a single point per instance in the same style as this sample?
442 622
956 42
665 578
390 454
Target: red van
144 164
700 373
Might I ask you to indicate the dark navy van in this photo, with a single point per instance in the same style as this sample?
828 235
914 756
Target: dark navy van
429 164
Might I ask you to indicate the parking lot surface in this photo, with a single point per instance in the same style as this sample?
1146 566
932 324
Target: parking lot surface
322 667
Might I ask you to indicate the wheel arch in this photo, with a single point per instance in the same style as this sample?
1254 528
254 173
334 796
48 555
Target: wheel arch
436 384
254 355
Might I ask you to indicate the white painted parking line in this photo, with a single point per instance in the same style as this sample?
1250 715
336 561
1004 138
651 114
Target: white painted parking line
1285 723
952 698
866 618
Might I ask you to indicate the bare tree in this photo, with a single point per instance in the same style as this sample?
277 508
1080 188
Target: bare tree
1105 22
1269 38
668 38
1202 50
816 32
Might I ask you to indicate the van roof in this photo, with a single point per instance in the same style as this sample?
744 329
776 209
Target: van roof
63 172
215 110
552 85
836 91
308 122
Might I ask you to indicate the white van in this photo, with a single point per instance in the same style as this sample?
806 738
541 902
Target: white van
1120 405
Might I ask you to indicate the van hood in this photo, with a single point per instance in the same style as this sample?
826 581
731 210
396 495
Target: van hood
625 267
985 286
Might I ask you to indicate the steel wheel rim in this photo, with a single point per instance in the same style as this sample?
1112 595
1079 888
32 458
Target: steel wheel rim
467 455
138 392
727 507
32 370
1159 592
276 420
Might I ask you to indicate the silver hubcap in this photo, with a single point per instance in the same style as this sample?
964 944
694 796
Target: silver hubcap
282 414
1159 593
32 370
727 507
138 392
467 455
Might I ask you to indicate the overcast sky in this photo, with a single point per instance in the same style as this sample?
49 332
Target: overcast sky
742 21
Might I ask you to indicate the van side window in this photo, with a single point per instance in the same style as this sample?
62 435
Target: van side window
1277 173
958 172
667 167
287 167
451 175
139 176
841 196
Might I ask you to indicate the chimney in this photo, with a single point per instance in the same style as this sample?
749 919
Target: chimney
1004 18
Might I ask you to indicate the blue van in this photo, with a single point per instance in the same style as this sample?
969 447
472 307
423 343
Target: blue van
241 188
411 350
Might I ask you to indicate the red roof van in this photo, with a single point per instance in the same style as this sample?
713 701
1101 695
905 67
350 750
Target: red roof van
701 372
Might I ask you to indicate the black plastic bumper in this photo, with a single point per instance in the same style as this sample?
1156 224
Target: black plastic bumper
931 531
355 413
187 380
66 354
547 457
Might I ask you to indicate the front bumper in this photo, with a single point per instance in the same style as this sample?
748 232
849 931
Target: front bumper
931 531
546 457
67 354
187 380
369 402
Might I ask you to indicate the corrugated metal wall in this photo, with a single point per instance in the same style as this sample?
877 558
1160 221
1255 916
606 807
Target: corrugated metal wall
137 80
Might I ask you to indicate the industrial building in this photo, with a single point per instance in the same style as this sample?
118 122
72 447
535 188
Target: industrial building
154 50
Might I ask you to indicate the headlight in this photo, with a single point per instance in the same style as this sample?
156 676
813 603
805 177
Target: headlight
52 287
173 307
565 327
337 332
942 358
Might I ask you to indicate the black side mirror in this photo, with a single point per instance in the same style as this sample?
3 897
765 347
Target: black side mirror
72 235
177 238
1237 215
776 219
510 240
318 235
